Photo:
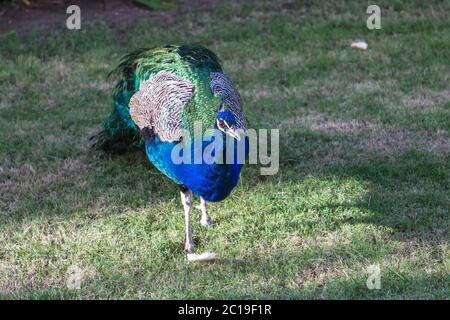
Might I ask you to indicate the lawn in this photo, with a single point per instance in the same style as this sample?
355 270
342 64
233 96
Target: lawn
364 176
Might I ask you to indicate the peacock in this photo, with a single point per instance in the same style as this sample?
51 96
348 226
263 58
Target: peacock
162 95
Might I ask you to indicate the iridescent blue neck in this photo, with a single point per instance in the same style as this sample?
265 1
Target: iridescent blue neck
212 181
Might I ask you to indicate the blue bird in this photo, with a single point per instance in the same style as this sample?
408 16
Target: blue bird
163 94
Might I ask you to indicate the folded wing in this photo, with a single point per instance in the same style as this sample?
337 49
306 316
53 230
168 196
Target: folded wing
159 104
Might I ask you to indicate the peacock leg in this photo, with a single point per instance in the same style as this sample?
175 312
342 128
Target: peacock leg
205 221
186 199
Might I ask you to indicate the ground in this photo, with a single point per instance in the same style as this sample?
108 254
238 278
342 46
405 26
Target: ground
364 159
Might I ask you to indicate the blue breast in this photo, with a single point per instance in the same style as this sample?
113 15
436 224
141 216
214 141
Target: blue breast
212 181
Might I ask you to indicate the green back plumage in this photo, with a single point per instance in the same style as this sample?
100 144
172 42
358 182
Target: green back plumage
193 63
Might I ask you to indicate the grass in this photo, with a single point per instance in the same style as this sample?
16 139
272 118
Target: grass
364 161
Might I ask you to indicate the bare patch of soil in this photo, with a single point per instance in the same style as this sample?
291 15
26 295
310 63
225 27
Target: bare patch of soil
50 15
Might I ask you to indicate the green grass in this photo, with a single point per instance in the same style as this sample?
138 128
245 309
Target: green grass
364 173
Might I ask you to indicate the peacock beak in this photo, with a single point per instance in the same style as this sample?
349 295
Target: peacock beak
235 133
232 131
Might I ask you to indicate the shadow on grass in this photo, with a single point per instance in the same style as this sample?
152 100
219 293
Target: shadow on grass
406 192
272 276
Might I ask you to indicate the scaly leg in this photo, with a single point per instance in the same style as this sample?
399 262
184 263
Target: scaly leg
205 221
186 199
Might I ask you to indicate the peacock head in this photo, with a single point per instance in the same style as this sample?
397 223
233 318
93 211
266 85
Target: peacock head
226 122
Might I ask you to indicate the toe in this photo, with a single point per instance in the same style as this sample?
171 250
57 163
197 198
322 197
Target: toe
206 222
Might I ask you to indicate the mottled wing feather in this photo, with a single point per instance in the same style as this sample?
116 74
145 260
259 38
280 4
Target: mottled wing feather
159 104
223 87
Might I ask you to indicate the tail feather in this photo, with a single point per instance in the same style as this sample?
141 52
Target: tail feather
116 136
119 132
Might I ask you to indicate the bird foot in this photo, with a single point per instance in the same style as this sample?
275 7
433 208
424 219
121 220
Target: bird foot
206 222
189 247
